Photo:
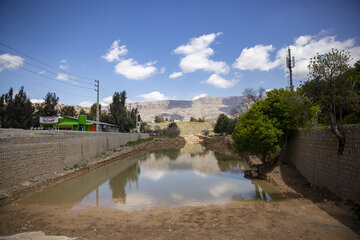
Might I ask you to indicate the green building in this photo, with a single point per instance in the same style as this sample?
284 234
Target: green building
77 124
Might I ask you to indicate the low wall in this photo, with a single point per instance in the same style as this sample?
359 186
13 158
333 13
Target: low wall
27 155
315 155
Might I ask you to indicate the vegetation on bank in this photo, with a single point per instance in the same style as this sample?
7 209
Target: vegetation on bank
16 111
330 96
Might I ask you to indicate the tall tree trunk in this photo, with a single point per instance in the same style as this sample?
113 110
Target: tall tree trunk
340 137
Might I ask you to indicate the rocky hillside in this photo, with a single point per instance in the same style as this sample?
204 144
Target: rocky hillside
208 107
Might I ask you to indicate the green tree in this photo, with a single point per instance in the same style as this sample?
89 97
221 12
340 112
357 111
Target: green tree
92 114
192 119
68 111
119 115
224 124
23 110
38 112
117 111
159 119
256 134
16 112
173 130
330 85
276 116
50 103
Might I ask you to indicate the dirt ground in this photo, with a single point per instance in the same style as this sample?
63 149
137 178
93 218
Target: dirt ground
306 213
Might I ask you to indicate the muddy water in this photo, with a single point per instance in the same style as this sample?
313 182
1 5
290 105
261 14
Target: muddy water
192 175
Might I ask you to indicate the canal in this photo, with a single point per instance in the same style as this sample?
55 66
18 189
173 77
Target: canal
190 176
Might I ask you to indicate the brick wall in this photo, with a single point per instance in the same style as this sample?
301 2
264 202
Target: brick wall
315 156
33 155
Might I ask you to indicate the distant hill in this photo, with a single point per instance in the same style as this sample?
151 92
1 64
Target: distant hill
208 107
182 110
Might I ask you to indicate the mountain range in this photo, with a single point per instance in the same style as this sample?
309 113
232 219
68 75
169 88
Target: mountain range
208 107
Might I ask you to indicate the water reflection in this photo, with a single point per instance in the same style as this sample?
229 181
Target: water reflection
192 175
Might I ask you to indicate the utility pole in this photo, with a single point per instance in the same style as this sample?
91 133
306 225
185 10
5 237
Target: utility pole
290 63
97 106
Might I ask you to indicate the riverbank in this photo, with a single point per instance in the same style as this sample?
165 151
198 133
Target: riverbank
100 160
299 216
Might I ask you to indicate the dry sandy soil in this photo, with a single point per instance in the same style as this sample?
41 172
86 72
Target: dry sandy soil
306 213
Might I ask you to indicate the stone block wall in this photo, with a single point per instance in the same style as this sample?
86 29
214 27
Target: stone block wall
30 155
315 155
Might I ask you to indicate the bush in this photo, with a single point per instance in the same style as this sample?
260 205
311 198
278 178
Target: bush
256 134
224 125
173 130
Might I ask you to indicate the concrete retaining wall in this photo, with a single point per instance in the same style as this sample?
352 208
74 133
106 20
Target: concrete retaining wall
316 158
33 155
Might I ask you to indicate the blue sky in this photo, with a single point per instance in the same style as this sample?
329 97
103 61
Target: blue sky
165 49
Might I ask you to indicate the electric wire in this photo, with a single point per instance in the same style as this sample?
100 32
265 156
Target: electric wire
73 85
43 68
77 75
41 84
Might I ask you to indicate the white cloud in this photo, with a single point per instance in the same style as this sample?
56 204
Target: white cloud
162 70
199 96
175 75
86 104
197 53
8 61
63 77
154 96
37 100
255 58
63 64
106 101
115 52
306 47
220 82
41 72
130 69
303 48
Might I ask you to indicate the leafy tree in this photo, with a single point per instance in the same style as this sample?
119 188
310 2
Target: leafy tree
224 124
256 134
287 110
159 119
117 111
23 110
105 117
276 116
143 126
201 119
173 130
330 85
16 112
92 113
192 119
119 115
50 103
68 111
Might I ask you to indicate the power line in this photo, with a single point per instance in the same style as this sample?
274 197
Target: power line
41 84
54 79
105 91
92 79
44 68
